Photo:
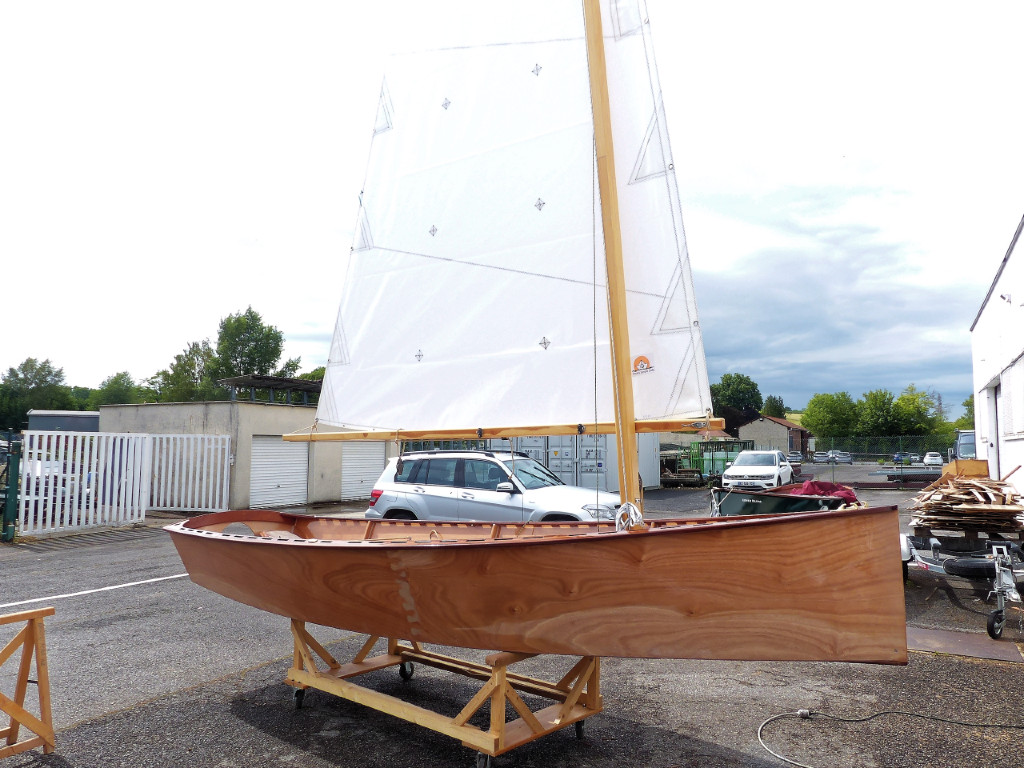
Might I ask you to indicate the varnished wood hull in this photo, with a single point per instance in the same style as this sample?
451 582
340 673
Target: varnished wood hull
808 586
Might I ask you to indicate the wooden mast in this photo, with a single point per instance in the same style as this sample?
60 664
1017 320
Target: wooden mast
625 428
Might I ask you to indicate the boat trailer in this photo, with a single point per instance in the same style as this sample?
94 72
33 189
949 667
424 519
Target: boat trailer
577 695
996 559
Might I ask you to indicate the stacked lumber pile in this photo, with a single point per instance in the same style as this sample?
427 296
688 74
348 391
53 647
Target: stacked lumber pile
955 502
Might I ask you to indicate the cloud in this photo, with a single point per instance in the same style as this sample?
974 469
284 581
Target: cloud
839 308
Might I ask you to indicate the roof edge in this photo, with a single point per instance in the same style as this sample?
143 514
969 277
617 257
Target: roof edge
999 273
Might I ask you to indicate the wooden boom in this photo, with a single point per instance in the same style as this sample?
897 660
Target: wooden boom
485 433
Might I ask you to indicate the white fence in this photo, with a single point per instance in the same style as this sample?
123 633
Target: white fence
75 480
190 472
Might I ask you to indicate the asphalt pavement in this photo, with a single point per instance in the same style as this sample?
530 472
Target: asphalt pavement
148 669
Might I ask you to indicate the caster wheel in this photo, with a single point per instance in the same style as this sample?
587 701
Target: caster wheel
484 761
579 728
996 622
299 696
406 670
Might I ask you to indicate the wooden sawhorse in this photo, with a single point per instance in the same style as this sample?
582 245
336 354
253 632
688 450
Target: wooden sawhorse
32 641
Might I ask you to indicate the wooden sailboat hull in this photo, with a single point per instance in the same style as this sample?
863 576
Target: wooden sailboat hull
806 586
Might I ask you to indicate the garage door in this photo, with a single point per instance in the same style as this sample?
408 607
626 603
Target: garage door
361 465
278 472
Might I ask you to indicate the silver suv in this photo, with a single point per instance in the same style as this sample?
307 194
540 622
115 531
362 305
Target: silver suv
481 485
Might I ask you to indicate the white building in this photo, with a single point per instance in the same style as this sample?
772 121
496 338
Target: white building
997 350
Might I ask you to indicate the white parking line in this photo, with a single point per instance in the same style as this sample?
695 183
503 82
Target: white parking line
91 591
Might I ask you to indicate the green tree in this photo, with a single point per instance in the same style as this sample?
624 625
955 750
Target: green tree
188 378
119 389
736 390
81 397
877 414
317 374
33 385
967 420
773 406
830 415
245 346
917 412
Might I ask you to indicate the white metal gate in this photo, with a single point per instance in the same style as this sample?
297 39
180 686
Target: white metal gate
82 479
72 480
191 472
361 465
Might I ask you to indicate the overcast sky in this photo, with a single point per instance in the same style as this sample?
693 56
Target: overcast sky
851 176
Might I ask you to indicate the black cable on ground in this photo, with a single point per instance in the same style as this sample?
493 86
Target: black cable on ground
806 714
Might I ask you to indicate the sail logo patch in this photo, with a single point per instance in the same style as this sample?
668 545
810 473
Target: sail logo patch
642 364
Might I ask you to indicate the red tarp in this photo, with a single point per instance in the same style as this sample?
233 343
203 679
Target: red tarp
816 488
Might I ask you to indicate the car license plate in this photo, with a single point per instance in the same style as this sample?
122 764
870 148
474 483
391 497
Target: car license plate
745 483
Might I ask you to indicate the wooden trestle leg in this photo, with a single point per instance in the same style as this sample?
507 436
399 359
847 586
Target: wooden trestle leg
577 695
32 641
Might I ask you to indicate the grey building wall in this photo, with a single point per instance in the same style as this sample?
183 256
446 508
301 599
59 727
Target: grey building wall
769 434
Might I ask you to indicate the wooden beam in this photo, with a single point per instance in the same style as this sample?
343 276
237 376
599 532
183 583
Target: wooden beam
487 433
481 740
37 613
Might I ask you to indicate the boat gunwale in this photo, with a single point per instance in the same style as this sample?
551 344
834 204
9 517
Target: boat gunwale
661 526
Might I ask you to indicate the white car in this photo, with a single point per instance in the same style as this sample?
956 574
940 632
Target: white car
492 486
933 459
758 469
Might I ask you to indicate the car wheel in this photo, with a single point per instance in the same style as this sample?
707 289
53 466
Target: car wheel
557 517
400 515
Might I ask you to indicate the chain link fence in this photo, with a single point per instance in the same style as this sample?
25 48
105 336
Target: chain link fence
899 449
903 452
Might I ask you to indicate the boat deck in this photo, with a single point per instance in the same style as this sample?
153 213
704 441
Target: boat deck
285 526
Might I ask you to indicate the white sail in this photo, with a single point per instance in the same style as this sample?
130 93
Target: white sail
475 292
